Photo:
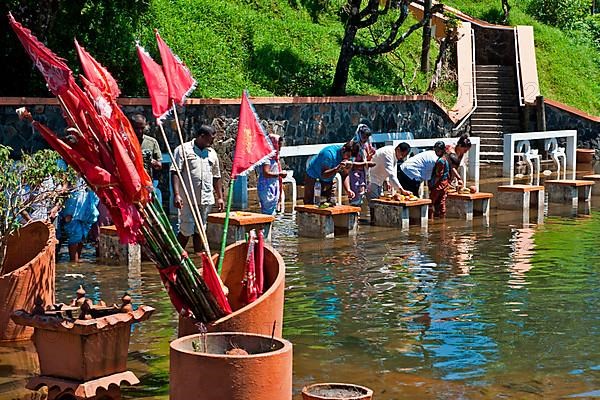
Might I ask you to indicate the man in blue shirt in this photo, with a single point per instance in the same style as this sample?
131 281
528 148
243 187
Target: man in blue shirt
331 160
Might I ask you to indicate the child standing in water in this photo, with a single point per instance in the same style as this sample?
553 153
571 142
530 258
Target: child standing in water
439 182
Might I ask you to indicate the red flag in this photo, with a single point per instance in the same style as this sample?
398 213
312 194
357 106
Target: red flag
156 82
179 78
55 71
252 146
97 74
214 285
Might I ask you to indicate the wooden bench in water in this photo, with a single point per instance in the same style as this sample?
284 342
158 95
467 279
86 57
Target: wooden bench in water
522 198
569 191
240 223
395 213
326 222
259 316
465 205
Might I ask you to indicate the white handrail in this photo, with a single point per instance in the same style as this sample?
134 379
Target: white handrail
518 67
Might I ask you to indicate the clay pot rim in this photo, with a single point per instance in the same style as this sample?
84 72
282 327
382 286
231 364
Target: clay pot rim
278 281
287 346
51 241
586 150
368 391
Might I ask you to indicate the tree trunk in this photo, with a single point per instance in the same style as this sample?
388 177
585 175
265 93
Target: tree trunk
342 69
439 64
426 37
506 11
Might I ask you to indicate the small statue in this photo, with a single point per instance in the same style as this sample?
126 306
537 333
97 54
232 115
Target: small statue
86 309
126 307
80 299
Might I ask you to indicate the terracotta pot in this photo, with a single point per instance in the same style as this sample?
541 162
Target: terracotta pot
82 350
339 391
265 373
256 317
585 156
28 272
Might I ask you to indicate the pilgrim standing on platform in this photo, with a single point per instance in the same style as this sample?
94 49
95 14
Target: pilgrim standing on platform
359 173
205 179
269 179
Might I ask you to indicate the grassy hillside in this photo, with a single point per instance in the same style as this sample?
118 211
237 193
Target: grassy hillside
568 67
273 48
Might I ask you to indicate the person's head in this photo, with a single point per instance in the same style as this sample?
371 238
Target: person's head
276 140
350 149
440 148
139 123
205 136
463 144
363 133
402 150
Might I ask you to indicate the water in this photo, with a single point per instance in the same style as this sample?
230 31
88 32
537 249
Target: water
462 311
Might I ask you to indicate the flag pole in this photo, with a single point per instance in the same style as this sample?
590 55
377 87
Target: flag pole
225 226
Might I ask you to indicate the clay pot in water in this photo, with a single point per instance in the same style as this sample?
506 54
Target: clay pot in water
336 391
473 189
585 156
239 366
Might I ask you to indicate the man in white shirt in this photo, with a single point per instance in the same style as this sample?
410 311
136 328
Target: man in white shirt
418 169
386 160
206 178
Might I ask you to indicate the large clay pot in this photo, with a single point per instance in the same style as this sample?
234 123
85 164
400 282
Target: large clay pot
265 373
82 350
28 271
257 317
336 391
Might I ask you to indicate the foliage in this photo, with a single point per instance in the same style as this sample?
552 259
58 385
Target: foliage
564 14
26 182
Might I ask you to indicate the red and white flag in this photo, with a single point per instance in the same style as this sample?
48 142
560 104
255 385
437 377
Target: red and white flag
57 74
252 146
156 82
179 78
97 74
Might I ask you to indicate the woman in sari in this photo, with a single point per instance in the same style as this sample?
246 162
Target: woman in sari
358 174
270 178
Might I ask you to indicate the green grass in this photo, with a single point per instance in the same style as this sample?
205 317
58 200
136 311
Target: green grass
273 48
568 67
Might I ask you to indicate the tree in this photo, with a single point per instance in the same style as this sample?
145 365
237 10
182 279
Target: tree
426 37
505 11
357 16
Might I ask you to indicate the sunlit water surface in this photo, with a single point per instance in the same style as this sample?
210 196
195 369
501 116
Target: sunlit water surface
462 311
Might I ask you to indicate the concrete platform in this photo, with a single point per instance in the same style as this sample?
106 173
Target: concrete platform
569 191
240 222
112 252
394 213
466 205
327 222
522 198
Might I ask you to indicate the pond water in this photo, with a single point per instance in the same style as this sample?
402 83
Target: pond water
460 311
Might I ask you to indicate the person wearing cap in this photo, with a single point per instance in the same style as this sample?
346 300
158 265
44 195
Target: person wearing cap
418 169
359 172
439 182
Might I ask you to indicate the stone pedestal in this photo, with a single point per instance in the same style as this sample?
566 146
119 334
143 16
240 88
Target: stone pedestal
327 222
240 222
522 198
394 213
112 252
105 388
468 204
569 191
596 179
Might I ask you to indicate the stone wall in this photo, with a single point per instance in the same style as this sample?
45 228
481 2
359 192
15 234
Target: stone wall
560 116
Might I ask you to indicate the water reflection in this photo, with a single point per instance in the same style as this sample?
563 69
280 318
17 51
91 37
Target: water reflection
463 310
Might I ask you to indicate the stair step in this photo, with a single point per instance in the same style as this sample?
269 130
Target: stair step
491 156
493 163
496 90
491 148
481 108
495 128
493 67
513 116
495 121
492 141
494 75
499 102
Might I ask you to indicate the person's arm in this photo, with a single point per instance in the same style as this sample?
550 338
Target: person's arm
175 181
156 161
390 168
330 173
266 170
346 184
217 183
454 164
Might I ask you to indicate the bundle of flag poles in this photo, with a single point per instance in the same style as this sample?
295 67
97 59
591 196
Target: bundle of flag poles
106 152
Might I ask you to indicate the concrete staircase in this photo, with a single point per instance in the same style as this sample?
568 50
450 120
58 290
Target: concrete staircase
497 110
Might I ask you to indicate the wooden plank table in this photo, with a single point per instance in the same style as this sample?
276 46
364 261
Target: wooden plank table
565 191
465 205
326 222
396 213
522 198
240 222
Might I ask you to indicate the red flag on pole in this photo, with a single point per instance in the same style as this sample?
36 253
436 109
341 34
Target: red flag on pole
252 146
97 74
179 78
55 71
156 82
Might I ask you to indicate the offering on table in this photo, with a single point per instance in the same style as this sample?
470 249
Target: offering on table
464 190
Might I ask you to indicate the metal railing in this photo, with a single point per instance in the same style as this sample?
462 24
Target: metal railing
518 67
